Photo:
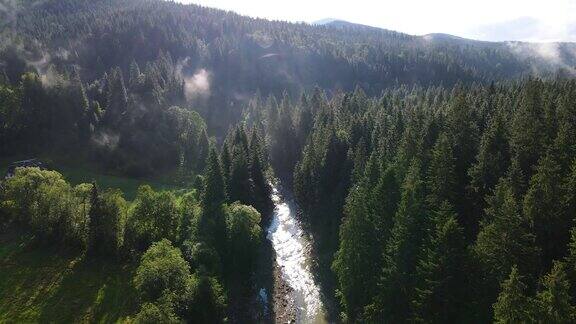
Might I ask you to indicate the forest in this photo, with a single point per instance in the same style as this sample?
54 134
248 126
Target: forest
434 177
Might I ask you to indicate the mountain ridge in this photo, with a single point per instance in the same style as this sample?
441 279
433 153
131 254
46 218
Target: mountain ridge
437 36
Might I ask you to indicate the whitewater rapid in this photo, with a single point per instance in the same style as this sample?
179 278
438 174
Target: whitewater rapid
292 257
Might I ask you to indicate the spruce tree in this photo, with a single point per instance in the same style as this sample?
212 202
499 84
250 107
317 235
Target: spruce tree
492 160
505 237
356 262
262 191
441 180
554 302
215 191
513 306
440 272
397 284
543 207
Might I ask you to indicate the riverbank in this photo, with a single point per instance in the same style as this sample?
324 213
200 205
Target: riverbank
284 309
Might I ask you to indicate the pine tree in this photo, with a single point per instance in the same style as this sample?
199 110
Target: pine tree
513 306
360 160
570 260
240 186
441 180
397 284
462 131
505 237
305 121
212 226
356 262
527 141
565 141
440 273
543 207
262 191
492 160
107 219
226 160
382 202
135 76
569 191
215 191
95 219
554 302
116 98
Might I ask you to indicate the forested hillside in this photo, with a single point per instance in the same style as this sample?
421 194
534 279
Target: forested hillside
435 204
434 175
224 58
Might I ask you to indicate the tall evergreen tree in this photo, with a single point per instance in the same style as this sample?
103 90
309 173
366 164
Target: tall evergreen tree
543 207
513 306
554 302
397 286
505 237
441 288
441 180
527 141
262 191
215 190
492 160
356 261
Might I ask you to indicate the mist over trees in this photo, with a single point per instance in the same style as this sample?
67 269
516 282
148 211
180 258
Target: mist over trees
139 56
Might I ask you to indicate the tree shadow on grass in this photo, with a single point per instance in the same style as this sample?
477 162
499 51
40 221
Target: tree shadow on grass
42 282
28 275
92 290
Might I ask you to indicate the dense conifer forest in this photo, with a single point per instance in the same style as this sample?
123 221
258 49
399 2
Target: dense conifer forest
435 176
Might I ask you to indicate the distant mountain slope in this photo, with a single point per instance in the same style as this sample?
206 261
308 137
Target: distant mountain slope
331 22
324 21
242 55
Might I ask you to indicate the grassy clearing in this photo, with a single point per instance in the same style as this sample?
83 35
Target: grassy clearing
129 186
50 285
84 173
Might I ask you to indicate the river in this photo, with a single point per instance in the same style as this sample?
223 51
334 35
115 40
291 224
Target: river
292 251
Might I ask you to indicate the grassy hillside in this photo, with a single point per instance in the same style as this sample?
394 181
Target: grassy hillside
48 284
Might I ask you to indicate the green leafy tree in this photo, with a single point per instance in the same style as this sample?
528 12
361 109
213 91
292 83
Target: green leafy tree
162 270
46 204
244 236
205 301
154 216
157 313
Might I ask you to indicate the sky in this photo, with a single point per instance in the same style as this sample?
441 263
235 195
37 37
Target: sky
493 20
